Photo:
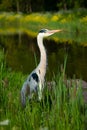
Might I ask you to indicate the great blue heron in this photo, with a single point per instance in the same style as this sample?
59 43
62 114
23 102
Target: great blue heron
35 81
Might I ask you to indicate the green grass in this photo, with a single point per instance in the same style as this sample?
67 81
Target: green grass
73 22
65 113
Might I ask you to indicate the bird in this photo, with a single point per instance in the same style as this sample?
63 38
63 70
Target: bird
36 79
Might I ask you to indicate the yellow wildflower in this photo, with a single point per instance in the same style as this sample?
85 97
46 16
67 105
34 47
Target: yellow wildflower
84 19
36 18
63 20
56 17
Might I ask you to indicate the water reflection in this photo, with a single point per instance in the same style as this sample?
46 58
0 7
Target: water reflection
22 54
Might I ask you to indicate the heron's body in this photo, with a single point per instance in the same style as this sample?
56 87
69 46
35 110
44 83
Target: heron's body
35 81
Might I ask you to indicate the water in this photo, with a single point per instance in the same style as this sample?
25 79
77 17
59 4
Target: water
22 54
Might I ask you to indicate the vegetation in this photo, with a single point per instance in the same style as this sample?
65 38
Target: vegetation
63 110
29 6
74 24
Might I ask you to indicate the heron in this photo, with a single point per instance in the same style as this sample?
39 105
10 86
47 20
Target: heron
35 80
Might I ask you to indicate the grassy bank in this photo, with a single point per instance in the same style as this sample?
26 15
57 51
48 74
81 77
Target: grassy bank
65 110
73 22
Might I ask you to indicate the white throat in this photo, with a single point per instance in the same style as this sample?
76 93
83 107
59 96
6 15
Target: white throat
43 58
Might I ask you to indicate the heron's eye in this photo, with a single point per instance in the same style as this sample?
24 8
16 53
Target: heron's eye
43 31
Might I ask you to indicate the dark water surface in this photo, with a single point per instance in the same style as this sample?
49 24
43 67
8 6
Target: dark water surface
22 54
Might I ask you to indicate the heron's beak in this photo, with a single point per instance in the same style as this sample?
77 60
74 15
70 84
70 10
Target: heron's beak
54 31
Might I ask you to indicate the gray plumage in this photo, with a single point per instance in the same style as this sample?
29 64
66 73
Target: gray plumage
35 81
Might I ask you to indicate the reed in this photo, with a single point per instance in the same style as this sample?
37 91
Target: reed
61 108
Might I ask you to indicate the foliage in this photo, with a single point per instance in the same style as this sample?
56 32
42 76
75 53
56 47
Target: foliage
73 23
28 6
61 108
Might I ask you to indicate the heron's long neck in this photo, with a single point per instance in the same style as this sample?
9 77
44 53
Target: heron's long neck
43 58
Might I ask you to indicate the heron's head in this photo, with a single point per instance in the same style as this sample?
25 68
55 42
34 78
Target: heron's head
46 32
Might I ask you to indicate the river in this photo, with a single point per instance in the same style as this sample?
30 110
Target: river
22 54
